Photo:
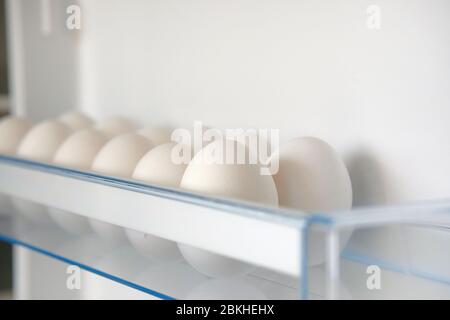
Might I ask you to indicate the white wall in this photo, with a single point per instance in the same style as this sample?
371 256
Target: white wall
43 63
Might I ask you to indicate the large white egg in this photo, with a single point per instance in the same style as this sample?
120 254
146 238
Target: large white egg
120 155
40 144
12 131
157 167
43 140
76 120
210 173
118 158
116 125
157 135
313 178
78 151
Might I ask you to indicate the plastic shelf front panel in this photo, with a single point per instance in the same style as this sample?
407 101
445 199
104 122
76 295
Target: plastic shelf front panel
265 237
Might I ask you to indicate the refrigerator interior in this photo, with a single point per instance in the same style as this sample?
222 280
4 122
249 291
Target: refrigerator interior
379 95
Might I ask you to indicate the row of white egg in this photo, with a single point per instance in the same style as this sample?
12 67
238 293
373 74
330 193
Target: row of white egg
311 177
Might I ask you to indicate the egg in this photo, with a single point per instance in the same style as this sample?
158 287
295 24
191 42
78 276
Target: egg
80 149
118 157
76 120
43 140
210 173
77 151
116 125
313 178
157 135
157 167
40 144
12 131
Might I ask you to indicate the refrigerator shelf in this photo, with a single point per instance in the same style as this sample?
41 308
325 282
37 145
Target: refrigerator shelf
122 267
168 213
408 242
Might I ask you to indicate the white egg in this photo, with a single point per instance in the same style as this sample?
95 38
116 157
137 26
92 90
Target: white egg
76 120
210 173
43 140
157 167
77 151
40 144
116 125
157 135
12 131
118 157
80 149
313 178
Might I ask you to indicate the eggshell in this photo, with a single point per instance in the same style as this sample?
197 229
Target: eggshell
77 151
40 144
43 140
80 149
158 168
12 131
313 178
116 125
118 157
157 135
209 173
76 120
206 175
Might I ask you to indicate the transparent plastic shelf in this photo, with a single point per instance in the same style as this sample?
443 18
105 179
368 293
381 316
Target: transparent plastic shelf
408 243
267 237
123 266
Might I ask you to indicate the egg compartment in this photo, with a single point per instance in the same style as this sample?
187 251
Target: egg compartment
277 242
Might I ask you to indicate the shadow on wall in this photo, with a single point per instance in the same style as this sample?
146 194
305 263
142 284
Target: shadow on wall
367 178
